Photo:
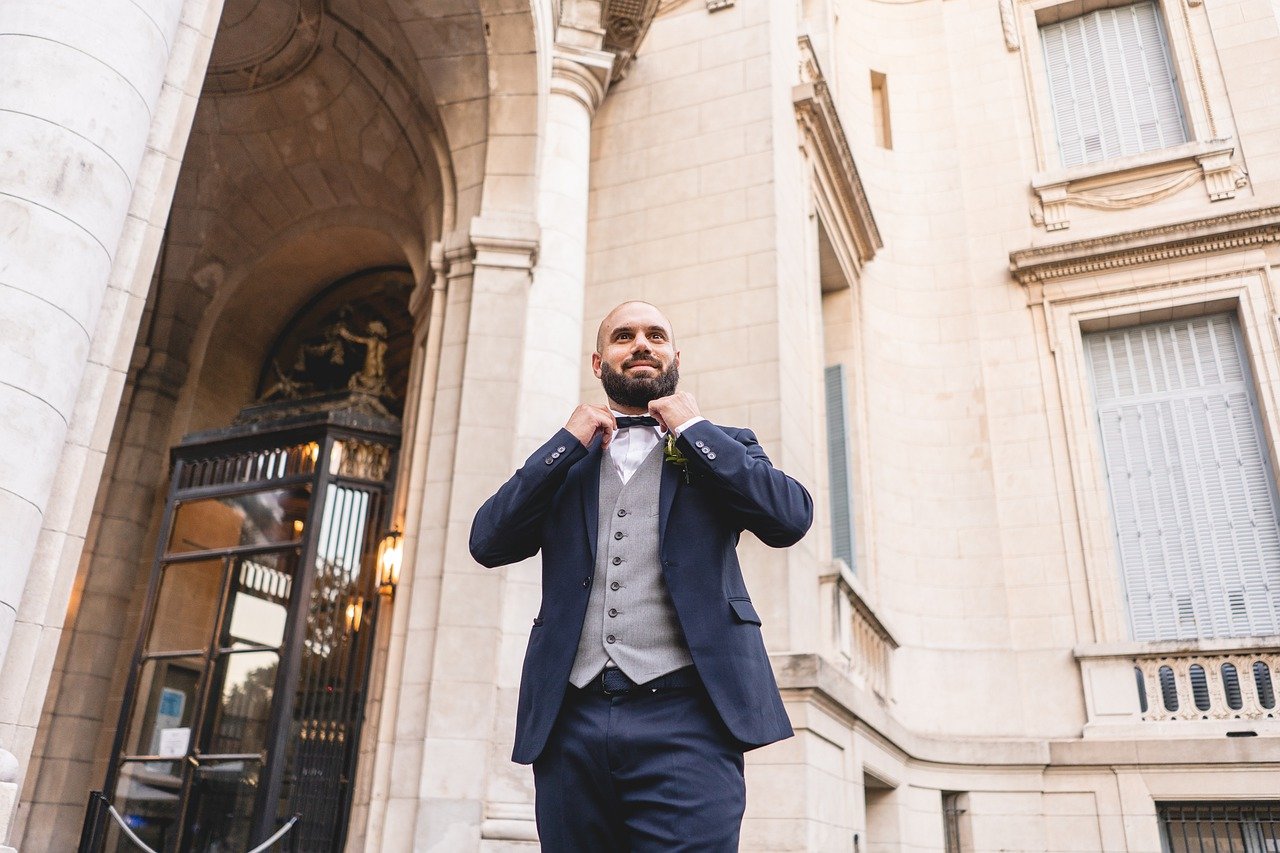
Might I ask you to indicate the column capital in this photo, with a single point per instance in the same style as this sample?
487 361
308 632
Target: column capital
581 73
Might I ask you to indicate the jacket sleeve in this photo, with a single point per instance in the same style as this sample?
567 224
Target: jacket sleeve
508 526
762 499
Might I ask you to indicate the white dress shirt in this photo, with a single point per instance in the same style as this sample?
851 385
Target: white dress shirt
630 446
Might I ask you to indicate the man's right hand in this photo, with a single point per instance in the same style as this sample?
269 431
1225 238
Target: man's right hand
587 420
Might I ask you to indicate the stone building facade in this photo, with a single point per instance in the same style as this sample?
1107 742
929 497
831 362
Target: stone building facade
997 280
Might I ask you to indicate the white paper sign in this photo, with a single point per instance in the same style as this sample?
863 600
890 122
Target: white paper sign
173 742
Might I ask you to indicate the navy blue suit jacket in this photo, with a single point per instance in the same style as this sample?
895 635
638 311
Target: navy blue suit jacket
551 505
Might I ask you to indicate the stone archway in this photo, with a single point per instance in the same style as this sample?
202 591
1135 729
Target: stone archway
319 146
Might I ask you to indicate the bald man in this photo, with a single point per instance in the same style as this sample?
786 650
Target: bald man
645 678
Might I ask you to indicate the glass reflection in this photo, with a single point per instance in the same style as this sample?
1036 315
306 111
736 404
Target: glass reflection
260 600
162 719
186 607
257 518
244 703
222 796
147 797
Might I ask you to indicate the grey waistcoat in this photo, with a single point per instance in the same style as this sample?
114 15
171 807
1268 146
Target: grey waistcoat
630 619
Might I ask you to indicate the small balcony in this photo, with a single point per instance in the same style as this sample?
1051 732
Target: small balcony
856 637
1198 689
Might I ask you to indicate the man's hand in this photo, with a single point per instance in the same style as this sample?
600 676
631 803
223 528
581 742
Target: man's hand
587 420
673 411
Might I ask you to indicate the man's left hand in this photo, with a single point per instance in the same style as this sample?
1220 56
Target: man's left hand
673 411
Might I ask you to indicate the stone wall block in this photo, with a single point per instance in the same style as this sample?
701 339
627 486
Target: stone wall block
53 276
66 173
118 33
73 90
39 345
27 432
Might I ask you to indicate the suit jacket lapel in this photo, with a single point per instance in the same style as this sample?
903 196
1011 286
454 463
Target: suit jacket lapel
666 496
590 468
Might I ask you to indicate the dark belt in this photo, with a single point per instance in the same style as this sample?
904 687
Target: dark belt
614 682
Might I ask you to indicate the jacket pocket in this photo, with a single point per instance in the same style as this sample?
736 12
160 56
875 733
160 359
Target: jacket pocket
744 610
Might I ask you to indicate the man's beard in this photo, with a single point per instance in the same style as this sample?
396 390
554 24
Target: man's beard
636 391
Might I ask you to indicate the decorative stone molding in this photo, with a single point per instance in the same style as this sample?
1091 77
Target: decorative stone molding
1009 24
582 74
625 24
502 243
717 5
1128 182
823 141
263 46
509 822
1148 245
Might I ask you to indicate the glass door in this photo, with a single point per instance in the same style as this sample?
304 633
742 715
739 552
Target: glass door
246 695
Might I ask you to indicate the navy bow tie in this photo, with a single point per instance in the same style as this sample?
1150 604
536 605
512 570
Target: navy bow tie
627 421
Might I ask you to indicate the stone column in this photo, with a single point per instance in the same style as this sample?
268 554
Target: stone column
79 87
8 796
549 387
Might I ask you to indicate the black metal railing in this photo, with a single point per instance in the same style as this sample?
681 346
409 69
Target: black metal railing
1224 827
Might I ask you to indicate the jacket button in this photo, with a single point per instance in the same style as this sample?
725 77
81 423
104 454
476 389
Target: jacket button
711 456
586 581
548 460
615 585
619 535
617 561
611 639
699 444
613 611
560 449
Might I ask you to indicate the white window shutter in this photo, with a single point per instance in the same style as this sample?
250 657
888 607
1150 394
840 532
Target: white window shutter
1192 495
839 465
1111 84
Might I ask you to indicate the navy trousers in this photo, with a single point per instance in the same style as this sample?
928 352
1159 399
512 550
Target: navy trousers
645 771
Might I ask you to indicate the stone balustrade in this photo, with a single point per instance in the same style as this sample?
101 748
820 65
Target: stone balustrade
856 637
1228 685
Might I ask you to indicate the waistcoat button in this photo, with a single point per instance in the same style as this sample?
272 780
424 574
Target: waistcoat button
613 611
617 561
619 535
611 639
622 513
615 585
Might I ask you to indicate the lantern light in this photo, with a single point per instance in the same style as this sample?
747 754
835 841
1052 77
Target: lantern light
390 554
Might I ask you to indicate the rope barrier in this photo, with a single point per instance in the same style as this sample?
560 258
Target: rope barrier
138 841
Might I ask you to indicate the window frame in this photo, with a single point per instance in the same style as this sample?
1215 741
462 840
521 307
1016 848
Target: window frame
1209 154
1073 307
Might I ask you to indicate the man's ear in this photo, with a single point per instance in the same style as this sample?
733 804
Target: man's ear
595 364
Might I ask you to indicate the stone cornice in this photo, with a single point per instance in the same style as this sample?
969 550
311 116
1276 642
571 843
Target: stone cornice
823 134
1235 230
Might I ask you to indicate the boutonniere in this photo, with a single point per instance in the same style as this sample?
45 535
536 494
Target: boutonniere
672 454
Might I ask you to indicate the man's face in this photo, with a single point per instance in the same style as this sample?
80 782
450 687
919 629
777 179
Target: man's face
637 361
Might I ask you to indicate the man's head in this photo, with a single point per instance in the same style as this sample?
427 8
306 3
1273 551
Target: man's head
635 358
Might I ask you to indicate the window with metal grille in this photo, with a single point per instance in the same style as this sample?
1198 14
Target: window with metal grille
839 465
1111 84
1240 827
1191 488
953 809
